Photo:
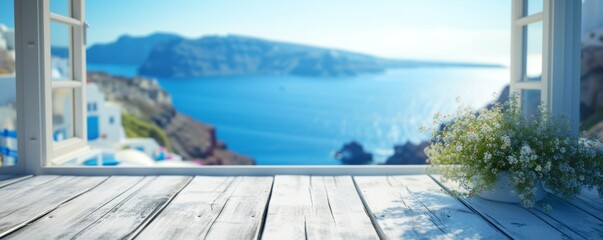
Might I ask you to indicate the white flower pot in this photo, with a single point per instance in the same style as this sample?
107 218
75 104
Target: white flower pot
501 192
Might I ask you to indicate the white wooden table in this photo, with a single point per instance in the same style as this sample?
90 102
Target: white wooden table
280 207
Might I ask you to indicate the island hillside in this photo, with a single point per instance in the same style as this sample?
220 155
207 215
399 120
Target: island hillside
127 50
148 112
167 55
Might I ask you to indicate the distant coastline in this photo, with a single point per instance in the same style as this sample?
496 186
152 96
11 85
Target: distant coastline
169 55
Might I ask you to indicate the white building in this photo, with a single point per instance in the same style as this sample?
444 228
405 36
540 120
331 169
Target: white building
7 39
104 119
106 132
592 23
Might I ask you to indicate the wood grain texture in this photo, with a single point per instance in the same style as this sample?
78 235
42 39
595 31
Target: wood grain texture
317 207
514 220
6 180
12 193
214 208
569 219
417 207
32 198
70 218
591 202
593 196
132 212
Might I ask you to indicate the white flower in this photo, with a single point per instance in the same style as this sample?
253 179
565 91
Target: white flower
459 148
511 159
538 168
506 141
487 156
547 208
526 150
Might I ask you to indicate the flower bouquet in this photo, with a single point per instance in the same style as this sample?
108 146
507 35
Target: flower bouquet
499 146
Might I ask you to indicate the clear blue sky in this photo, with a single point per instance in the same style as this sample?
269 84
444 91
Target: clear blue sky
476 30
7 17
470 30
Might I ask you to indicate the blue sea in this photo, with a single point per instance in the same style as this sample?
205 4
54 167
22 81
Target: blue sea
287 120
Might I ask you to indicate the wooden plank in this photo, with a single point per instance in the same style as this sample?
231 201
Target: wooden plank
12 192
592 198
127 217
6 180
592 195
457 218
417 207
569 219
590 202
287 208
514 220
243 215
30 199
303 207
73 216
214 208
192 211
337 210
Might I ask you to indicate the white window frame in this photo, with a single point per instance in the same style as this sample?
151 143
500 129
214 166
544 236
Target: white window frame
67 149
560 81
559 86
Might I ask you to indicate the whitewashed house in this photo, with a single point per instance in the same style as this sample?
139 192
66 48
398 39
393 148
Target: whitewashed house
106 132
7 39
104 119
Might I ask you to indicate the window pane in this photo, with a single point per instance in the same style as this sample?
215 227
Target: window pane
8 112
62 114
530 100
533 58
61 7
60 48
534 6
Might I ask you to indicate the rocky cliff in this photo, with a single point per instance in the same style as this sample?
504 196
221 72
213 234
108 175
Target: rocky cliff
591 94
127 49
408 154
146 100
238 56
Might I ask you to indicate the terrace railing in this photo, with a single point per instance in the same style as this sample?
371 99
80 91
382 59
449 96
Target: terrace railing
8 147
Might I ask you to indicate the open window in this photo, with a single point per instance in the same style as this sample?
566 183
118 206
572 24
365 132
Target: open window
527 54
65 76
545 56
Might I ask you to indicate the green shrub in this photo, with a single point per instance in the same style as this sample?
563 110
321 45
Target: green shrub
139 128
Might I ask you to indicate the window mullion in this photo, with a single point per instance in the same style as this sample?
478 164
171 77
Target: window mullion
517 44
65 20
57 84
523 21
79 68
